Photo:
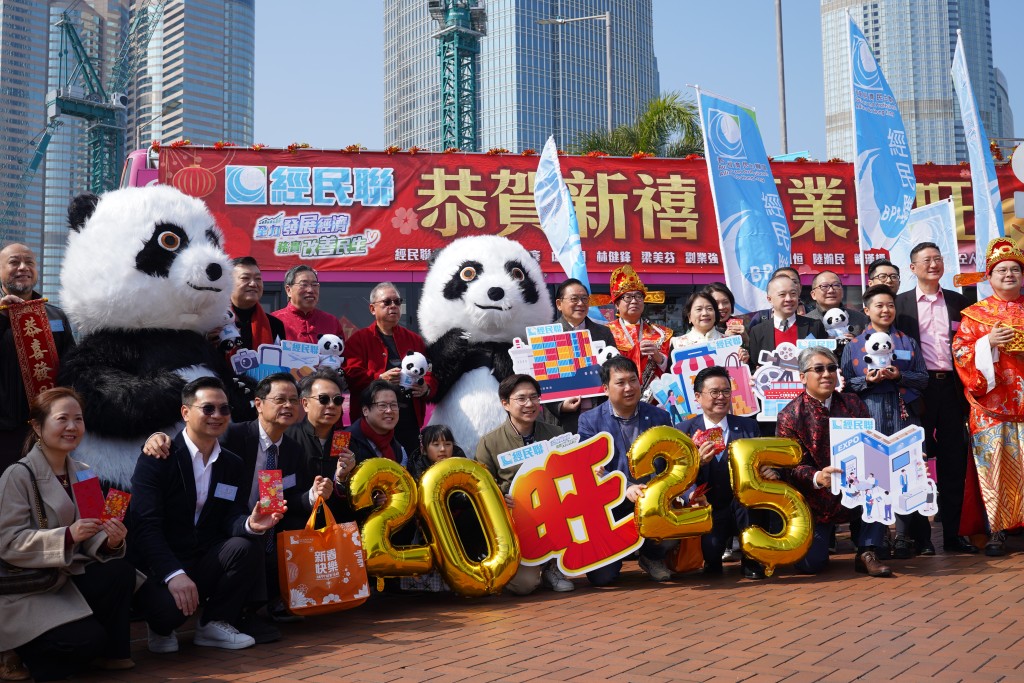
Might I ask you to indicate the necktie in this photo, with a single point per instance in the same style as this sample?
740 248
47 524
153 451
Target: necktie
784 326
271 465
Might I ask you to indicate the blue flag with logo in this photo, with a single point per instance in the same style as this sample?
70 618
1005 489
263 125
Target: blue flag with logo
557 214
988 204
883 172
752 228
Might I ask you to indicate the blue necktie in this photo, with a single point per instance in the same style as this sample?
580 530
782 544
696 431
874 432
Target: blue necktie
271 465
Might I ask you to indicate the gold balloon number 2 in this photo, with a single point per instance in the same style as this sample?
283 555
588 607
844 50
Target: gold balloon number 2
659 518
430 499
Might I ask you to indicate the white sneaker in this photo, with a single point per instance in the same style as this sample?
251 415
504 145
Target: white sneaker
162 644
223 635
656 569
556 580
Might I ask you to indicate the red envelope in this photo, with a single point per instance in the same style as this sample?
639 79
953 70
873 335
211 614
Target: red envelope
89 498
339 442
271 491
714 435
116 505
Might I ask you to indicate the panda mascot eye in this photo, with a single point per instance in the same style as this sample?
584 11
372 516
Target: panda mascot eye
468 274
169 241
517 274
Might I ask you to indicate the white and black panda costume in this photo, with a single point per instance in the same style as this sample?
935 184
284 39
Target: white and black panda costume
479 294
144 278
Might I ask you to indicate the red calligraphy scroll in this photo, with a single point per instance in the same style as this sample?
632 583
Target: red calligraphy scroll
33 341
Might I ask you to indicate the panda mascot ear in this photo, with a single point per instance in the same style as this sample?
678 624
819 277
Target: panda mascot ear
80 209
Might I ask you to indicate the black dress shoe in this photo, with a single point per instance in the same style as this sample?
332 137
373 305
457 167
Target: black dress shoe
755 573
928 548
960 545
996 546
903 549
261 631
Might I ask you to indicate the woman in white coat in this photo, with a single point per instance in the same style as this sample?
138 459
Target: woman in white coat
83 618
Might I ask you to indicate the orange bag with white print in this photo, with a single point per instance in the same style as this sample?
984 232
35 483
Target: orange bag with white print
322 570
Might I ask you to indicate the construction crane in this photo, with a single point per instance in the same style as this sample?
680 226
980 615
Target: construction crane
103 109
14 205
462 24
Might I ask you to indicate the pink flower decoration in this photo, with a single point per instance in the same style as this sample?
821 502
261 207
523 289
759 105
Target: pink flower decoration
405 221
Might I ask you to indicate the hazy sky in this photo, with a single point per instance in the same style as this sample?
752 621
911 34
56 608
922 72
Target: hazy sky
299 42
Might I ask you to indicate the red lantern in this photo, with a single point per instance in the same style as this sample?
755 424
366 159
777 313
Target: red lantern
195 181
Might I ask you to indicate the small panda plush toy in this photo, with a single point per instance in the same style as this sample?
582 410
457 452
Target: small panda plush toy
480 293
144 279
229 337
837 322
607 352
331 348
414 367
879 351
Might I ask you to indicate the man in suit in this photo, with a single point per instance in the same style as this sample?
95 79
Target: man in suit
827 293
765 314
573 301
931 316
713 389
625 417
190 532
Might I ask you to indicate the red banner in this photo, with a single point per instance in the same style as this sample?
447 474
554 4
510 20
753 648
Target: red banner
376 212
33 342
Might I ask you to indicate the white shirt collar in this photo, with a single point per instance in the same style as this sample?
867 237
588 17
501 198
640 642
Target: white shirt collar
193 450
724 424
777 321
265 439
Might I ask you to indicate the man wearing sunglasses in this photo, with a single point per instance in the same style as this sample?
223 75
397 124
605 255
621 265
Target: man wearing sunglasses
376 352
191 532
806 420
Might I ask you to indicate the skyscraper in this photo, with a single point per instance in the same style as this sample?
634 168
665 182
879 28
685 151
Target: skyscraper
913 41
535 80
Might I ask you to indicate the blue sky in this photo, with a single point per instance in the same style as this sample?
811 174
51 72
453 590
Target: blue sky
319 65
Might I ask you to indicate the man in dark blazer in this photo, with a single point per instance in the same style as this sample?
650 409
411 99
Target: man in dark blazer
930 315
625 417
190 530
713 389
573 303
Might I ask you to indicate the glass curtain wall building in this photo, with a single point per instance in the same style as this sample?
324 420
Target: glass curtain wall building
913 41
535 80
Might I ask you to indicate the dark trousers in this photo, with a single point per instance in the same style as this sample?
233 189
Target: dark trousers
652 550
946 441
728 521
228 576
67 649
816 559
914 527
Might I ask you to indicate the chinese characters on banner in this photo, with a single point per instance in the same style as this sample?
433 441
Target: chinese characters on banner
378 212
33 342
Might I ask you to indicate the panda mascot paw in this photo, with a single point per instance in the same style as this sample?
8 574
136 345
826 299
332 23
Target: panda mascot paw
479 294
144 279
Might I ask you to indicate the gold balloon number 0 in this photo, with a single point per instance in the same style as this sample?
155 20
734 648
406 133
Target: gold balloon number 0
430 499
658 517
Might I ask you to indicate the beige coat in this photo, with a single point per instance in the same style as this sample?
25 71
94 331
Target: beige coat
505 439
24 544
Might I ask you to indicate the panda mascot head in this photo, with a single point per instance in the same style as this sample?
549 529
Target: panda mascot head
490 287
480 294
144 258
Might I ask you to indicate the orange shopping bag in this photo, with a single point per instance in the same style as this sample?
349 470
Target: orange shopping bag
687 557
322 570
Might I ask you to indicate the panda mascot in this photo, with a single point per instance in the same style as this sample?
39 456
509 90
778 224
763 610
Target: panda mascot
479 294
144 278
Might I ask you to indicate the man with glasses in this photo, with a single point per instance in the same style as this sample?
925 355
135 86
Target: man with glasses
713 389
573 302
625 417
638 339
376 352
520 396
303 321
827 293
373 435
191 533
884 272
987 350
931 315
806 420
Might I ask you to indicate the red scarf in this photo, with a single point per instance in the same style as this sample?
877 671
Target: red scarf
381 441
261 333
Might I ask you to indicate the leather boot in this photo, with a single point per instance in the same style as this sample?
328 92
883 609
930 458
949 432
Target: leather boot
867 563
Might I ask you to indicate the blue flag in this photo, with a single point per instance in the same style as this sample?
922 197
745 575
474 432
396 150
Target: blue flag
883 172
557 214
988 205
752 228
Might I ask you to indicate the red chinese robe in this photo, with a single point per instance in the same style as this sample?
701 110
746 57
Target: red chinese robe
629 345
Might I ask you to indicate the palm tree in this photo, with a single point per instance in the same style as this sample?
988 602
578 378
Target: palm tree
668 127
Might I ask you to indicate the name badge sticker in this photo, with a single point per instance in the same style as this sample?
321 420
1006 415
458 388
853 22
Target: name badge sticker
225 491
83 475
57 325
288 482
902 354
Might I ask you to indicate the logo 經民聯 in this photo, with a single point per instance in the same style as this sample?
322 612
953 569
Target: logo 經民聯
866 75
724 135
245 185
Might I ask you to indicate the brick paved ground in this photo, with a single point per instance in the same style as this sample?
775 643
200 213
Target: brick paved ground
943 618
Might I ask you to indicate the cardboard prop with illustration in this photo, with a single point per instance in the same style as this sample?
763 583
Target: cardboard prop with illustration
885 475
777 378
562 509
521 455
674 390
296 358
565 364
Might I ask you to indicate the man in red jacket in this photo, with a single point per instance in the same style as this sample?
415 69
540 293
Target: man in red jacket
376 352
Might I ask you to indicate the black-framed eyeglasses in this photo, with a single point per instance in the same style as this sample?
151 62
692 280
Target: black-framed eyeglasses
827 286
397 301
209 409
822 369
882 277
324 399
718 393
384 407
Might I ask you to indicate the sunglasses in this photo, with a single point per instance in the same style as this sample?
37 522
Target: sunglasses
397 301
324 399
822 369
209 409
